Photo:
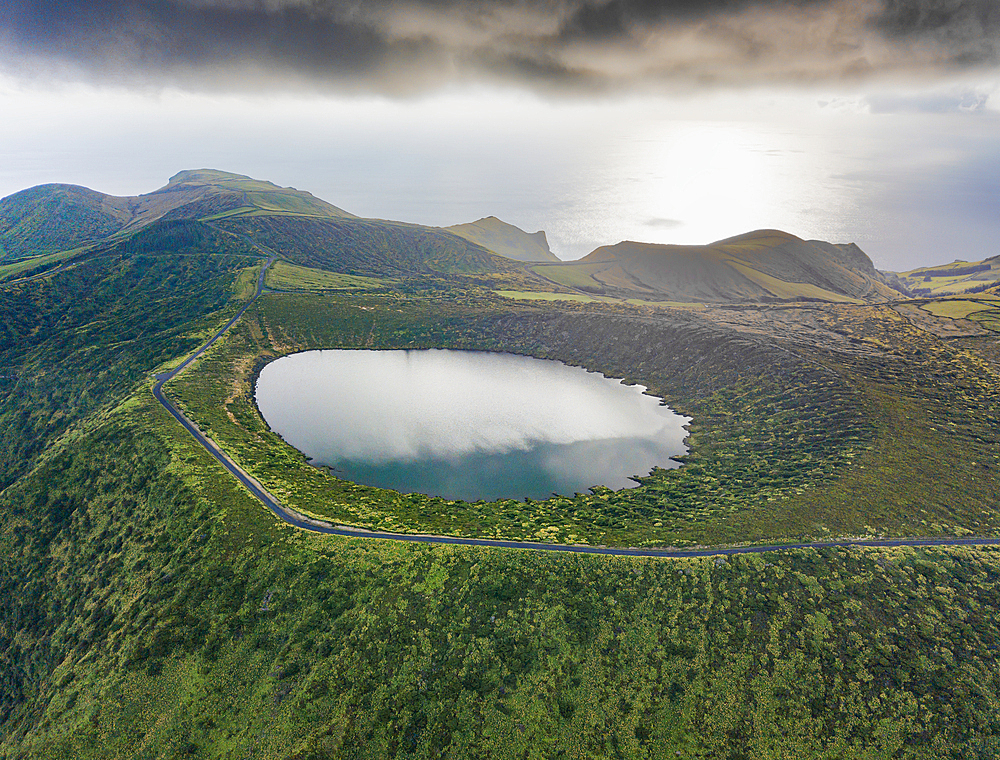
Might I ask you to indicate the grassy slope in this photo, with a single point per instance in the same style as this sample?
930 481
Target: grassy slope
369 247
789 290
70 343
216 194
53 218
285 276
36 265
957 277
167 615
784 256
761 265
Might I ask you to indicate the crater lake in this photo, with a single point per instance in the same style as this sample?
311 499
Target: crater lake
466 425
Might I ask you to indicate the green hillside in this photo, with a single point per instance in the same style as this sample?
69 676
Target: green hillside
43 227
211 194
950 279
151 608
368 247
72 342
766 265
53 218
506 239
163 615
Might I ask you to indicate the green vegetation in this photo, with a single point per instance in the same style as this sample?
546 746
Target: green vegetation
988 319
72 343
54 218
956 308
36 264
166 614
526 295
243 195
150 607
571 274
369 247
284 276
957 277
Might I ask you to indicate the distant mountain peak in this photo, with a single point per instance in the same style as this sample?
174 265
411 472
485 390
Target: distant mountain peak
505 239
228 181
759 236
207 177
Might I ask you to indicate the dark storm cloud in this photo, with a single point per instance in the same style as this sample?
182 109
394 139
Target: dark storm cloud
952 18
163 40
967 30
617 18
400 45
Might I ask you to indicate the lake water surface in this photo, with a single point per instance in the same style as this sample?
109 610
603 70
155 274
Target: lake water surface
466 425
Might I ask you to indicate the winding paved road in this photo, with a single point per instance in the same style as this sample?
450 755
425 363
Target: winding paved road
304 522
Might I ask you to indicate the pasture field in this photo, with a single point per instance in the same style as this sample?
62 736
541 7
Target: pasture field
572 275
990 319
285 276
957 308
20 268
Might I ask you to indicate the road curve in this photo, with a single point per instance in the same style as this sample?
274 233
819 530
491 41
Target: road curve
304 522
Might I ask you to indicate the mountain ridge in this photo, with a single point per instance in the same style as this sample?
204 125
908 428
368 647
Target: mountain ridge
761 265
56 220
56 224
56 217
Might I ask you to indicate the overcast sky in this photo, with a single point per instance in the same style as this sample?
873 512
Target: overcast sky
673 121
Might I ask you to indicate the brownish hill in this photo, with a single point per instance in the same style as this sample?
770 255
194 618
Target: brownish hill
765 265
506 239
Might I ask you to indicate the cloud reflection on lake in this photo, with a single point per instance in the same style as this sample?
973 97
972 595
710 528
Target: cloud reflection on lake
466 424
